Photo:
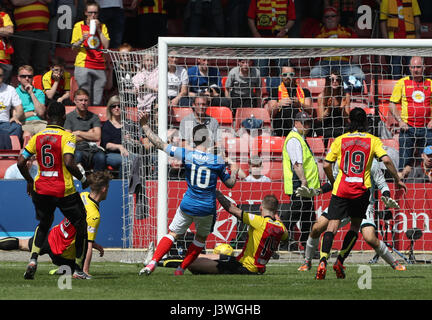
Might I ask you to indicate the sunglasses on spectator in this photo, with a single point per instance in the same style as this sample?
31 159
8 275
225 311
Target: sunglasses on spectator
25 76
288 74
115 106
330 16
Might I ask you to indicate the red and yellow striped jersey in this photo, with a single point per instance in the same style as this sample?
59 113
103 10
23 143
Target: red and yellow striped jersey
354 152
32 17
86 57
5 48
62 237
264 236
49 146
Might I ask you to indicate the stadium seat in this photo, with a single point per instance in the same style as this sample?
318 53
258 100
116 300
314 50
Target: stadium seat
37 82
178 113
100 111
222 114
385 89
268 146
315 85
316 144
245 113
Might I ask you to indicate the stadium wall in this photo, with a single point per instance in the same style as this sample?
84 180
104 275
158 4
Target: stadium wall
18 216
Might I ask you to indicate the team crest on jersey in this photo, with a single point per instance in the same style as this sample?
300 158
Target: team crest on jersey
93 42
71 144
418 96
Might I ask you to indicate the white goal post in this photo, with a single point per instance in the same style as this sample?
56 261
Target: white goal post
250 48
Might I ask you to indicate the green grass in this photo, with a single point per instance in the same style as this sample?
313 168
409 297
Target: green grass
117 281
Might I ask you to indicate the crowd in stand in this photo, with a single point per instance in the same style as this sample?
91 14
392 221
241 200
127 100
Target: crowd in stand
31 75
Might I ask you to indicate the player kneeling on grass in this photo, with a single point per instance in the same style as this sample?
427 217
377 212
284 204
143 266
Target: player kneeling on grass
367 227
198 206
60 243
264 235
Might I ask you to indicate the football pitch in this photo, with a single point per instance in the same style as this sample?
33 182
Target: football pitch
282 281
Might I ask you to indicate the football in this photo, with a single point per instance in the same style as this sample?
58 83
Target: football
223 248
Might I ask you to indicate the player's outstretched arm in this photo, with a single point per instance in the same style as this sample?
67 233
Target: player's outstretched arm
228 205
154 138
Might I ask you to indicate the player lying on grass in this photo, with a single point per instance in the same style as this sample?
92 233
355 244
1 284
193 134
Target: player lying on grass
198 206
264 235
367 226
60 243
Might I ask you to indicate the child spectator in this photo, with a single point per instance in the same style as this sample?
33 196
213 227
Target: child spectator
56 83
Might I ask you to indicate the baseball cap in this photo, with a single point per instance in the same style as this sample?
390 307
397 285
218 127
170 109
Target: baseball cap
428 150
302 116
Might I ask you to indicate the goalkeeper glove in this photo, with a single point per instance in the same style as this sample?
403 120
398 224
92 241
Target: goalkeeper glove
389 202
306 192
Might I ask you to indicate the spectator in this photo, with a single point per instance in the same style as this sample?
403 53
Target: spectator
31 41
112 15
56 83
199 116
427 162
90 63
202 76
207 14
13 173
415 121
333 108
86 126
6 49
177 82
152 17
270 19
60 29
300 169
243 85
146 83
33 102
399 20
291 99
255 171
10 121
111 139
214 94
351 72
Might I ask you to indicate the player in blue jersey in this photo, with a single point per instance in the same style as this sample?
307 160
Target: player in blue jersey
198 205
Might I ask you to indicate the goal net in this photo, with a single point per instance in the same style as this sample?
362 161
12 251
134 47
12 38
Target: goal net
254 89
